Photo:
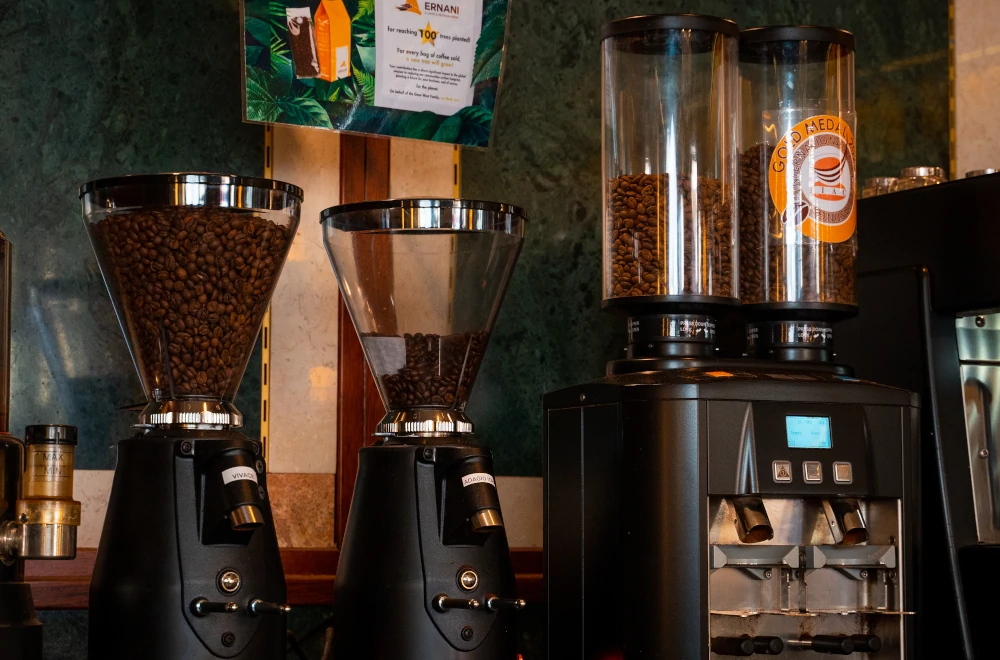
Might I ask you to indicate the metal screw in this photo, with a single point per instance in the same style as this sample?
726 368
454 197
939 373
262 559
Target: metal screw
261 492
583 397
259 466
229 582
864 574
984 453
428 454
892 576
767 573
467 633
892 540
228 639
186 447
467 579
24 517
980 321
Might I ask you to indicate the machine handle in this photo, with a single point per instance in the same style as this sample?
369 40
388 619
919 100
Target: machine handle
740 646
832 644
746 645
768 645
443 603
204 607
867 643
495 603
258 606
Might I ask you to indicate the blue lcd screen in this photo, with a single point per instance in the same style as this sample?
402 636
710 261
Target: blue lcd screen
808 432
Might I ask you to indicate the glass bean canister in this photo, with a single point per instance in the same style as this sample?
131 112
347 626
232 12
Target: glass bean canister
878 185
670 98
798 175
919 177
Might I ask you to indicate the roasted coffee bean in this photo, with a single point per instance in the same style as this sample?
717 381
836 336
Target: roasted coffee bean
439 369
805 270
189 337
641 237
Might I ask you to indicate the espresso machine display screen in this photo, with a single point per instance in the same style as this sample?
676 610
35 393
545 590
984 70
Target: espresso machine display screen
808 432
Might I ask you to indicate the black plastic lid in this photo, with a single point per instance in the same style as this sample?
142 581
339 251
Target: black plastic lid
651 22
50 434
773 33
175 178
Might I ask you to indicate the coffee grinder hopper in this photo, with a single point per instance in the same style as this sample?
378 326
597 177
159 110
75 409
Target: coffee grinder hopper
423 280
190 261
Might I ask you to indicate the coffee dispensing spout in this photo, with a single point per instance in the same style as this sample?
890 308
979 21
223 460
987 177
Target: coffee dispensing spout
847 523
752 523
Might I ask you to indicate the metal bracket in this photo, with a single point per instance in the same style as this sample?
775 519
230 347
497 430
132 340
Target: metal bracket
757 561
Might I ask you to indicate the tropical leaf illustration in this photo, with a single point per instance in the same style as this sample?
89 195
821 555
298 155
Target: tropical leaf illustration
367 56
422 125
366 82
305 112
470 126
363 26
261 105
489 48
258 29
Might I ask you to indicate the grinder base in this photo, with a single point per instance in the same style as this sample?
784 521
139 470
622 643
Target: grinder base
413 536
177 527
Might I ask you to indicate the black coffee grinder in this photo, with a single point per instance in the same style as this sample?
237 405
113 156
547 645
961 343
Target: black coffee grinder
38 516
701 505
424 569
188 565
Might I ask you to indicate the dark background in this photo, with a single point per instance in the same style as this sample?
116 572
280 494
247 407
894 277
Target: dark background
99 88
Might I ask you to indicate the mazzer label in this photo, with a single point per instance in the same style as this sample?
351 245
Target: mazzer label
239 473
478 478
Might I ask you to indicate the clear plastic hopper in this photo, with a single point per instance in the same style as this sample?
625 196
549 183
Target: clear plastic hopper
423 280
190 261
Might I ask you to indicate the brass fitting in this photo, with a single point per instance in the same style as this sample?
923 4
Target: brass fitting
46 510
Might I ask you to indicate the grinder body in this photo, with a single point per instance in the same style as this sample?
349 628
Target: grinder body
169 538
409 539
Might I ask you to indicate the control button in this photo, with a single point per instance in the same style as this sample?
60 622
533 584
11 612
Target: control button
782 471
842 473
812 472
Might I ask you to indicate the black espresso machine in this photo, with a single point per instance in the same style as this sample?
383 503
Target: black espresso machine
929 294
706 505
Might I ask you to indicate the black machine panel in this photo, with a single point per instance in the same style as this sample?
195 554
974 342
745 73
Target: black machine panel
631 463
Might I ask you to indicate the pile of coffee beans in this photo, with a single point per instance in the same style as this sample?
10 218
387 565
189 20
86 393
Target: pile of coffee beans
439 371
194 284
825 271
640 236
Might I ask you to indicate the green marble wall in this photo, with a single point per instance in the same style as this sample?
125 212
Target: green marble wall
92 89
547 158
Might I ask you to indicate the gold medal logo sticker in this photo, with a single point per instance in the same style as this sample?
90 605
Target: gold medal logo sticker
812 176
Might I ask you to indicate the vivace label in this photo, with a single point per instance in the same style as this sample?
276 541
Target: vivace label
812 179
241 473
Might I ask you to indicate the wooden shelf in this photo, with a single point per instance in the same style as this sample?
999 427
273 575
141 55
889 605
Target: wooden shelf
309 574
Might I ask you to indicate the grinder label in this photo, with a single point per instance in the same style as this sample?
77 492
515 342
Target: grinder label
478 478
232 474
811 179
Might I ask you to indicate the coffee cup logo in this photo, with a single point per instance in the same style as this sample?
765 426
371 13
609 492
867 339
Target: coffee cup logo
812 179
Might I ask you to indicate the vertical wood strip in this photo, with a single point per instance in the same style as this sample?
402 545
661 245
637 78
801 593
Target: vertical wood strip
265 330
364 175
